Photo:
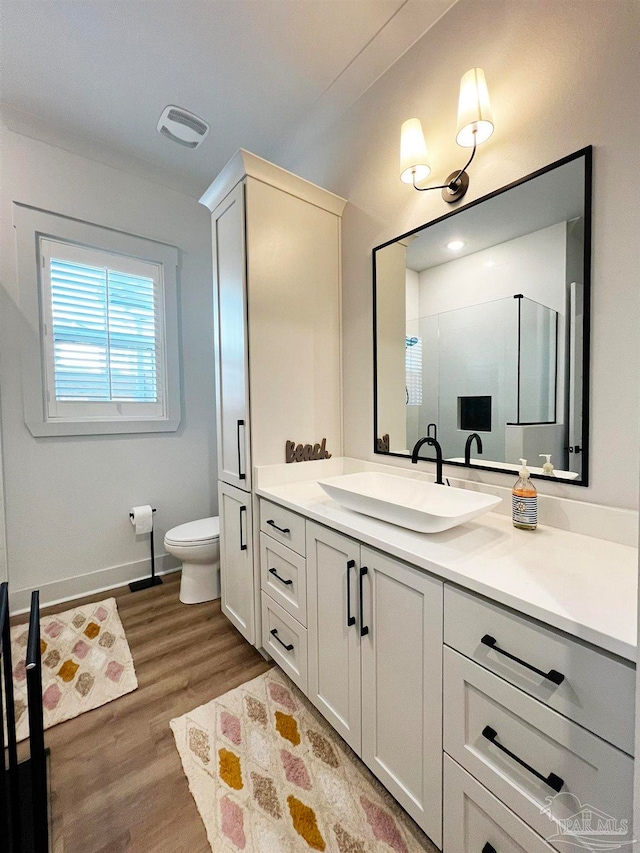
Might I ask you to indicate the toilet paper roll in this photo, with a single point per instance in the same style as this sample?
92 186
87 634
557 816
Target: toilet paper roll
142 518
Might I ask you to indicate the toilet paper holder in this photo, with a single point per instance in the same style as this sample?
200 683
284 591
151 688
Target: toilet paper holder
153 509
154 580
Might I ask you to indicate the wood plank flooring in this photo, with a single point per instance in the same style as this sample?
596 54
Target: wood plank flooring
116 775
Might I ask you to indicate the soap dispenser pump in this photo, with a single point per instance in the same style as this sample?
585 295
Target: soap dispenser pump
524 501
547 468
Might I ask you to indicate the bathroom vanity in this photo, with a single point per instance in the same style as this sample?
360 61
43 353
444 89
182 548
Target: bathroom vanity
485 675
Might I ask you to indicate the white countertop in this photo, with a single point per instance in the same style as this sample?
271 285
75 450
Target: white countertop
584 586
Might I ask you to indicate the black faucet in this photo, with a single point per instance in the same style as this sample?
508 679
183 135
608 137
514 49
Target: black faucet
467 447
434 443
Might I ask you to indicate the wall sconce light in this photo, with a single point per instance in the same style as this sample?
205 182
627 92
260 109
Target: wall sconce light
475 126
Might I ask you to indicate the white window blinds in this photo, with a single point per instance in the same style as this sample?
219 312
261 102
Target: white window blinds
413 369
103 333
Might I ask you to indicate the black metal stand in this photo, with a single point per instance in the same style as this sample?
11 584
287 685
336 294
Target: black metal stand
154 580
39 783
10 797
24 787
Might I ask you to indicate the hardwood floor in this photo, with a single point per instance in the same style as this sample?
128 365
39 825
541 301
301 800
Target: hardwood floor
116 776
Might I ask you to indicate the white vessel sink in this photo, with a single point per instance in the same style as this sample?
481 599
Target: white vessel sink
421 506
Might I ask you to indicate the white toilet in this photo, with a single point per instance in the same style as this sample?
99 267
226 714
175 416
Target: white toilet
197 545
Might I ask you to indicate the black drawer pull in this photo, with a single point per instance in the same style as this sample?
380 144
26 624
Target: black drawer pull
287 646
241 474
489 848
286 581
553 781
351 620
553 675
364 630
243 544
281 529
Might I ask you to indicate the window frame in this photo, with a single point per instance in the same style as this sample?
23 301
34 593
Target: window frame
34 228
94 410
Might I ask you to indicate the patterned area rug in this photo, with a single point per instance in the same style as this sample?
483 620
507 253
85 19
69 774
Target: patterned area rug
86 662
269 775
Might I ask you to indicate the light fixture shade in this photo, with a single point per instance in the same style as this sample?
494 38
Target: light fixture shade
474 110
413 152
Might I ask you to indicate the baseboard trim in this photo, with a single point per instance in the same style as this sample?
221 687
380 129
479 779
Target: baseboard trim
58 592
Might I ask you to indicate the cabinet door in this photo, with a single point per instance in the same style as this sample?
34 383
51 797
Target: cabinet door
334 630
402 685
236 559
230 327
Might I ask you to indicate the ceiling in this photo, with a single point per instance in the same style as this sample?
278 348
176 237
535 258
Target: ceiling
255 70
555 196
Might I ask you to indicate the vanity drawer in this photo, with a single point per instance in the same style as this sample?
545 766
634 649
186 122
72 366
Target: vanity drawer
284 638
597 690
484 717
283 525
284 576
474 818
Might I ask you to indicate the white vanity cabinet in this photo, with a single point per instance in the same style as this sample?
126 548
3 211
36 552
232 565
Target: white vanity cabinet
333 620
401 685
375 665
533 727
231 340
236 556
276 277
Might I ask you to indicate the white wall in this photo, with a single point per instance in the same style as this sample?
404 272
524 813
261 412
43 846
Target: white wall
67 498
533 265
562 74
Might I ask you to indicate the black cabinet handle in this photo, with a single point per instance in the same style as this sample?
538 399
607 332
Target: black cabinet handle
351 620
364 630
241 474
243 544
287 646
553 781
553 675
286 581
489 848
272 523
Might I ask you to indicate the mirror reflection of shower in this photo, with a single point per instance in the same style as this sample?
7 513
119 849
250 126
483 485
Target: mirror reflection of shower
489 368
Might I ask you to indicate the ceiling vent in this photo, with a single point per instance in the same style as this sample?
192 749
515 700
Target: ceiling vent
182 127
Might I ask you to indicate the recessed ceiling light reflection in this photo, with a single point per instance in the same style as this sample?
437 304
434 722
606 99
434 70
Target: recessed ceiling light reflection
455 245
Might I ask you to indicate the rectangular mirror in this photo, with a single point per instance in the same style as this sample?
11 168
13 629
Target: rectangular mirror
481 326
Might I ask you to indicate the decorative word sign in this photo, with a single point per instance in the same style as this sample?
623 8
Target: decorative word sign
382 444
305 452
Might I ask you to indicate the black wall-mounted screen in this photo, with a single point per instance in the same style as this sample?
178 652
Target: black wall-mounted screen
474 414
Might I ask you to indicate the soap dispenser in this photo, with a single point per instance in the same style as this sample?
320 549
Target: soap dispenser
524 501
547 468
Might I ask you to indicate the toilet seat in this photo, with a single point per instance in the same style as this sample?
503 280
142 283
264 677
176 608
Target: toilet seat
194 532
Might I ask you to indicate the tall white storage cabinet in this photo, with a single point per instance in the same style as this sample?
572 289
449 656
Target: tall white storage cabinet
276 269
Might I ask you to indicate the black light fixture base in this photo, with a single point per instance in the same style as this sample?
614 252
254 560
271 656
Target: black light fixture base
457 185
146 583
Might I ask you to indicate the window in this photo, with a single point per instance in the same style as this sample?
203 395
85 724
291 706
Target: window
100 351
103 333
413 370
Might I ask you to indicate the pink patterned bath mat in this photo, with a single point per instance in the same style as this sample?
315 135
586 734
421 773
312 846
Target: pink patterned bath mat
269 775
86 662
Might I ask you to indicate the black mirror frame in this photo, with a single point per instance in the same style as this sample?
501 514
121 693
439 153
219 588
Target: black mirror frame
587 153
